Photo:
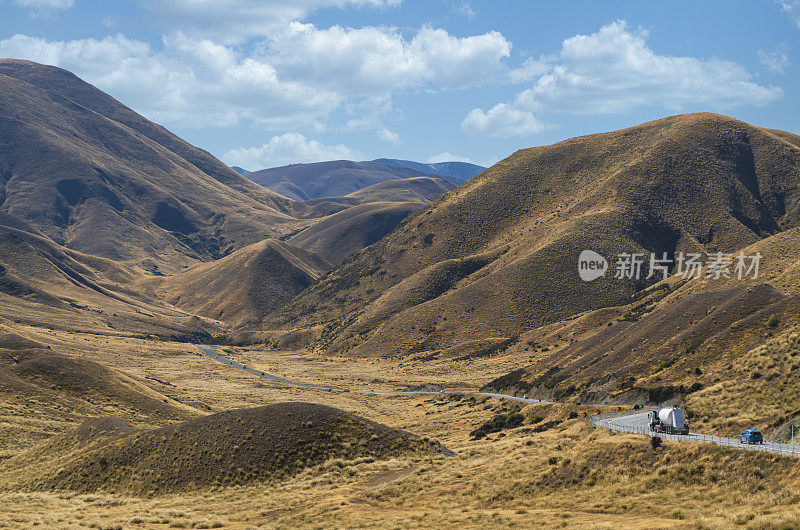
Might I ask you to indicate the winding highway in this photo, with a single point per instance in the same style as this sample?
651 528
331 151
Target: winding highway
208 350
639 423
626 421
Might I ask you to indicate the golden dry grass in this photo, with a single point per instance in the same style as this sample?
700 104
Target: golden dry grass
757 390
570 476
567 475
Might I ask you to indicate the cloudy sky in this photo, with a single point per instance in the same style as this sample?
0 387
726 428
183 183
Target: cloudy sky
262 83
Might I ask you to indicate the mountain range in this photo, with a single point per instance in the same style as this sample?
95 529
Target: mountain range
73 159
495 261
389 258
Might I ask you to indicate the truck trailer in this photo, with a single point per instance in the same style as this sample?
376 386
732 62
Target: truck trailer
668 421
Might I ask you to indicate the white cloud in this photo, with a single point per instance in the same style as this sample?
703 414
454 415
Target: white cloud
45 5
502 121
291 81
372 60
389 136
791 8
776 60
233 21
285 149
369 113
463 8
529 70
614 71
191 83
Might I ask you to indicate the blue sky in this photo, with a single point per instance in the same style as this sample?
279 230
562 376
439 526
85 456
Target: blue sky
263 83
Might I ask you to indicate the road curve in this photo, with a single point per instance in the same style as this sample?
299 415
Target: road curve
625 421
638 423
208 350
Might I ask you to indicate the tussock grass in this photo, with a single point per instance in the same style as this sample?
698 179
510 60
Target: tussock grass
760 389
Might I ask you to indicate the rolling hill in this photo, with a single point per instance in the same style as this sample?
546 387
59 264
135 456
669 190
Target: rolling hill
498 256
414 189
245 285
269 274
344 233
44 284
61 387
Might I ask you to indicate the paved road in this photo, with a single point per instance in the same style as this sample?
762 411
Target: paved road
208 350
638 423
626 421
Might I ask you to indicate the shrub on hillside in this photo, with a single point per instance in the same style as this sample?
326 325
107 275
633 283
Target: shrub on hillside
498 423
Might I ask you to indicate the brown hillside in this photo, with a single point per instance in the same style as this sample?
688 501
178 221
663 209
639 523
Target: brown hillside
660 340
339 235
234 447
73 159
415 189
72 379
29 369
44 392
71 87
43 284
693 182
675 339
247 284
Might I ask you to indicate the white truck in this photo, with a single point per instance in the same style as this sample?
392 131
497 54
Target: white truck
670 420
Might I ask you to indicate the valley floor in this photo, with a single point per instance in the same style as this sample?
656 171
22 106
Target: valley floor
553 471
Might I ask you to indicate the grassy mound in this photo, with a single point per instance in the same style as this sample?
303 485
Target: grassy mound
344 233
229 448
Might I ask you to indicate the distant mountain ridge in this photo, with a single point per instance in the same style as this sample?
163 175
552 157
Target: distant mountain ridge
452 171
339 178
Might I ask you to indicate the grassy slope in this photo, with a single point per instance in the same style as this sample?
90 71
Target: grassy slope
68 168
344 233
44 392
245 285
233 447
568 475
415 189
47 285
